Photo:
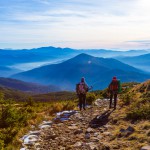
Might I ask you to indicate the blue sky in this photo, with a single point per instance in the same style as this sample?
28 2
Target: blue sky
109 24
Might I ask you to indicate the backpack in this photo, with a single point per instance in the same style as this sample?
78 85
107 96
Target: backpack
114 86
81 88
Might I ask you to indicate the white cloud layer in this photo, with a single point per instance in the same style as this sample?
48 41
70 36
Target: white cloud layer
75 23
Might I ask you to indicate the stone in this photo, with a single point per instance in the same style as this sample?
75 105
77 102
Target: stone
31 139
89 130
148 133
130 129
122 130
79 131
107 126
78 144
62 148
92 146
99 137
47 122
106 133
35 133
36 145
126 132
44 126
146 147
87 136
53 136
96 134
23 149
73 127
94 139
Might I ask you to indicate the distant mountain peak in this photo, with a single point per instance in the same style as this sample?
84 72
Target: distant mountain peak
83 55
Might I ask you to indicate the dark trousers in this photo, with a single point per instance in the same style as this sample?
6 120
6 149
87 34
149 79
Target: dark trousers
113 95
82 101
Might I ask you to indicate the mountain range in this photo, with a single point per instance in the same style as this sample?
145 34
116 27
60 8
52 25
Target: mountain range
26 86
141 62
8 71
26 59
97 71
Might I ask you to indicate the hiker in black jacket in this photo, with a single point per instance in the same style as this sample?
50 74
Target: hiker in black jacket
113 90
81 90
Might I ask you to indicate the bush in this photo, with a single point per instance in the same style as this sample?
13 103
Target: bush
90 98
30 102
139 111
127 98
69 105
1 145
102 93
11 117
7 135
56 107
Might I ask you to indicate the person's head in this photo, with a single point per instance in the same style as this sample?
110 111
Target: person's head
82 79
114 78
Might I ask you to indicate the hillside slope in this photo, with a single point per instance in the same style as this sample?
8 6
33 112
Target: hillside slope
7 71
26 86
141 62
11 94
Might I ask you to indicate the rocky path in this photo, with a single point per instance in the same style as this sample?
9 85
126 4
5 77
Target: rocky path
91 129
85 130
82 131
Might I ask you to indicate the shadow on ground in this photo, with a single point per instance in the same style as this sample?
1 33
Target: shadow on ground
100 120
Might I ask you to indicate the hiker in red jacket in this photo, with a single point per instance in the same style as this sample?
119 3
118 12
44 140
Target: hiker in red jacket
113 90
81 90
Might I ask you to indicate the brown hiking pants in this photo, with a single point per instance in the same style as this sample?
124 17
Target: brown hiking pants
113 95
82 101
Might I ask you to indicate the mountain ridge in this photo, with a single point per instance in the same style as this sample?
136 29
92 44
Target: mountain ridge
141 61
26 59
26 86
68 73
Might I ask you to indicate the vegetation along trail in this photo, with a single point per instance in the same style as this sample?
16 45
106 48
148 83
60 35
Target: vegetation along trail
101 128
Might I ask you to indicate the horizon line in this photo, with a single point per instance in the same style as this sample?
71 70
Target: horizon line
110 49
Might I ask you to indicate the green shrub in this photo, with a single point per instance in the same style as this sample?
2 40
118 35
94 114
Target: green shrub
10 117
30 102
146 95
90 98
1 145
7 135
127 98
139 111
101 93
56 107
69 105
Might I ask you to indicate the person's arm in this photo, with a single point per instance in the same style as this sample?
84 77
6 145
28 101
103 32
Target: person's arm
87 87
77 88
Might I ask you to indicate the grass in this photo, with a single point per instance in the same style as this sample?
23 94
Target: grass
16 118
133 111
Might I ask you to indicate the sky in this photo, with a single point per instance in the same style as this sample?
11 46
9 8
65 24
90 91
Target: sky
79 24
